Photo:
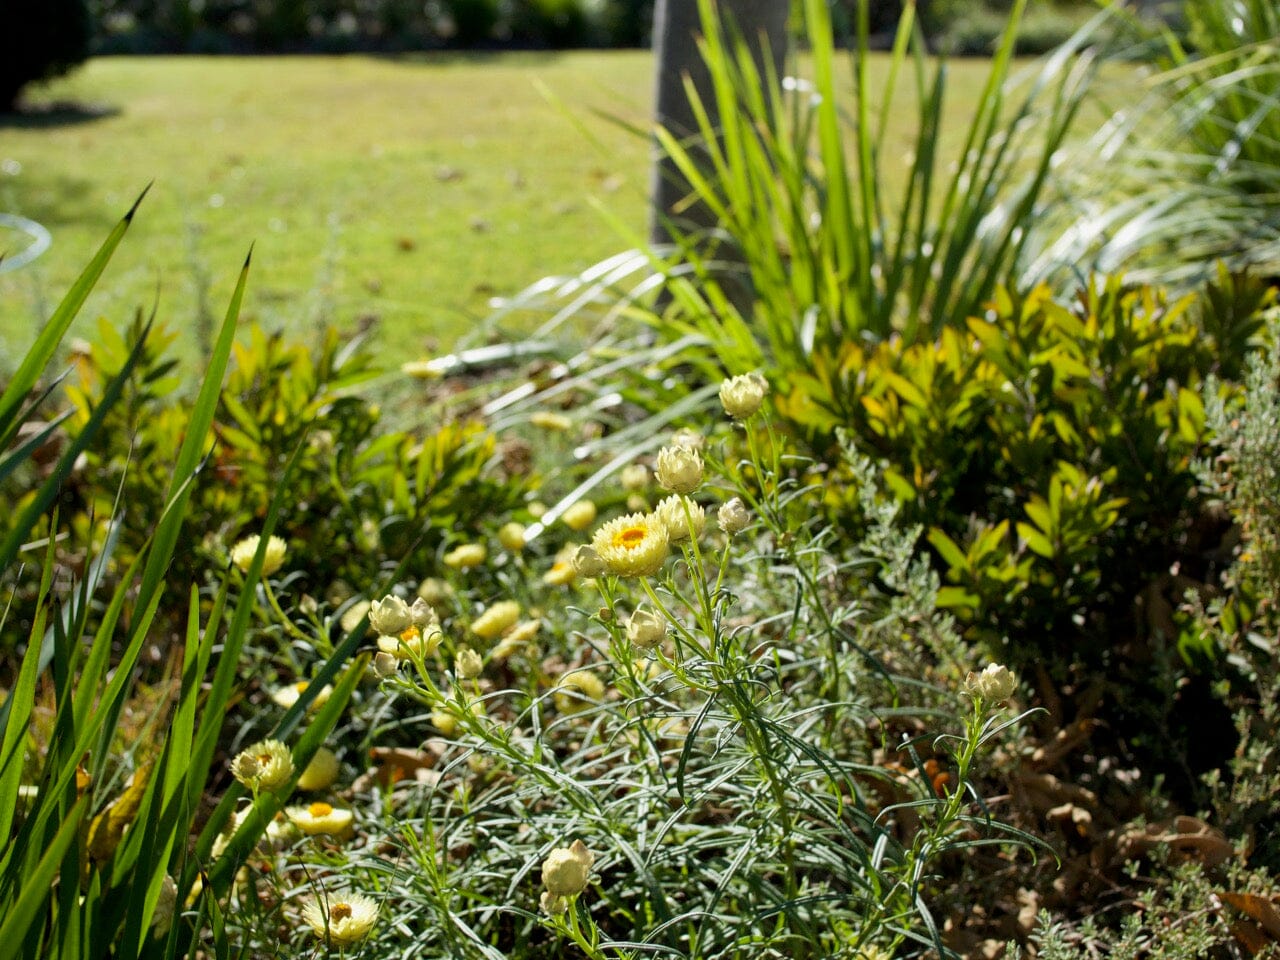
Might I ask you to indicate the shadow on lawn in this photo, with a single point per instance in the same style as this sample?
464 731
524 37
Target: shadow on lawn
60 113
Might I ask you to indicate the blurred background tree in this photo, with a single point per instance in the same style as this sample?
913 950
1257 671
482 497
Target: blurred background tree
39 40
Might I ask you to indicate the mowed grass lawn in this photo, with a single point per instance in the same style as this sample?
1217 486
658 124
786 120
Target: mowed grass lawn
407 191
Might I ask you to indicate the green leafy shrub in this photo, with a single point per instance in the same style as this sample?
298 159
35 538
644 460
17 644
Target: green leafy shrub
360 493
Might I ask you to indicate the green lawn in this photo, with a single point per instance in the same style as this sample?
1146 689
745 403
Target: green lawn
410 190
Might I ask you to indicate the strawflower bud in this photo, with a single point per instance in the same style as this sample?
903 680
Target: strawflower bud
385 664
646 628
635 476
321 771
566 870
733 516
467 555
994 684
467 664
679 469
742 396
580 515
496 619
390 616
677 513
588 563
511 536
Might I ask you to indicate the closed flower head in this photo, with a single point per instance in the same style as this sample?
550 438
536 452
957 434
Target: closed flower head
389 616
496 619
579 515
587 562
679 469
467 664
467 555
646 628
682 517
243 552
566 870
266 765
321 771
343 918
578 690
632 546
994 684
742 396
733 516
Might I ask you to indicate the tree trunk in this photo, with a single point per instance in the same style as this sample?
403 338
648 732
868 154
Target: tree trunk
676 28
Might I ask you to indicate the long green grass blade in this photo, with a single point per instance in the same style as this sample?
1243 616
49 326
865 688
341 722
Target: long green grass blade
42 351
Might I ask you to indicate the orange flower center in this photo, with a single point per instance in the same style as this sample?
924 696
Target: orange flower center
300 686
320 810
340 911
264 758
630 538
409 634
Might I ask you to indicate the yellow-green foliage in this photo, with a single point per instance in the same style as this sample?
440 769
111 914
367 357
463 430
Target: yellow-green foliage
1047 449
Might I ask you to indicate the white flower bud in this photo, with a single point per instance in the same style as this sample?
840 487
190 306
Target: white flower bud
679 469
733 516
742 396
994 684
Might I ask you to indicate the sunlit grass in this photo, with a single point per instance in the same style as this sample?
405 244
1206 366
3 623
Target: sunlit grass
406 190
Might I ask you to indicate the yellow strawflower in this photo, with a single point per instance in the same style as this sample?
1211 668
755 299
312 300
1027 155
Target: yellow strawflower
632 546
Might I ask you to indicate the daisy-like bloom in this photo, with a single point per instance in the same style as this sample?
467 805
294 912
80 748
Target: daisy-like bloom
679 469
742 396
587 562
389 616
550 421
496 619
322 819
646 628
578 690
287 696
266 765
413 642
342 918
321 771
672 512
566 870
635 477
733 516
580 515
243 552
467 664
511 536
995 684
465 556
632 546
